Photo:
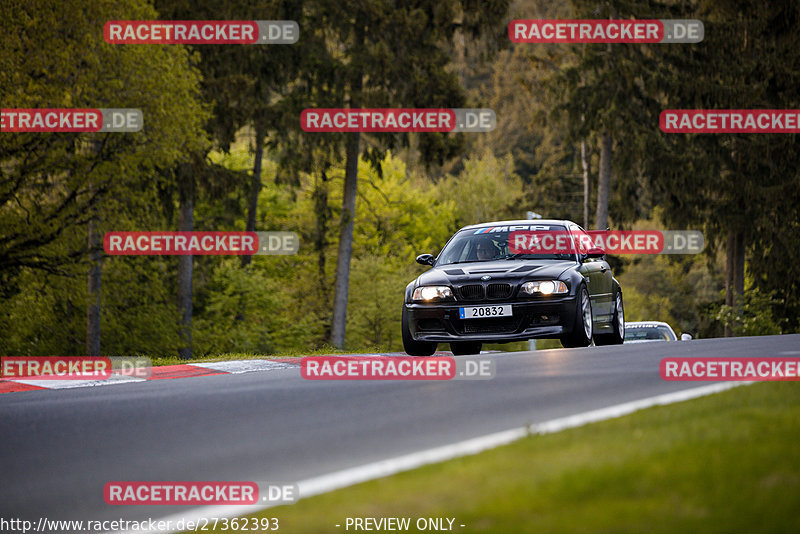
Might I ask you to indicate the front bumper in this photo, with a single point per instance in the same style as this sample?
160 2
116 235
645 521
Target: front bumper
547 317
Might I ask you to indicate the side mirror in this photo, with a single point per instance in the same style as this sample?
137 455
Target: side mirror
595 253
686 337
426 259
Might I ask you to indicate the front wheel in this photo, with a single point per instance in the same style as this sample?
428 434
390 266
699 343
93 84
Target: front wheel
411 346
617 336
581 335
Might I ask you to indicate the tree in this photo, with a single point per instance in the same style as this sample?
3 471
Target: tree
741 188
607 93
54 184
393 55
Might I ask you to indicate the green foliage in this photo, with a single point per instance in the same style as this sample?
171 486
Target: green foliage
728 183
45 319
51 185
375 301
754 317
398 216
487 189
414 190
679 290
257 295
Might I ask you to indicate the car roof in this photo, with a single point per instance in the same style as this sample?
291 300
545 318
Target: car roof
519 222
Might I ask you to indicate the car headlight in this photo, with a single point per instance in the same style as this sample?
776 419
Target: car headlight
432 293
544 287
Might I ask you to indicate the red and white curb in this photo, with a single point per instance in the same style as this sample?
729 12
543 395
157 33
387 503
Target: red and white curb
158 373
171 371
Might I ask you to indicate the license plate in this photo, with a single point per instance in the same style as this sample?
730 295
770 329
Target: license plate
482 312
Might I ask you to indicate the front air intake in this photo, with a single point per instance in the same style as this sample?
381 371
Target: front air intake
498 291
471 292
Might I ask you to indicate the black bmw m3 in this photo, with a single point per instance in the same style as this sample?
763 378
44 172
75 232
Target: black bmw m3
513 280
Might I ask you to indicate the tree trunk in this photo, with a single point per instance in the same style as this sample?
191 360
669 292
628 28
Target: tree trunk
322 212
586 191
93 308
255 189
734 276
345 242
185 263
603 182
320 239
352 152
738 281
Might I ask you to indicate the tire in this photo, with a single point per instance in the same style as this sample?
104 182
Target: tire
461 348
581 335
618 325
412 347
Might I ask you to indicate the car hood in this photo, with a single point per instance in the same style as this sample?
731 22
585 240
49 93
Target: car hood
509 271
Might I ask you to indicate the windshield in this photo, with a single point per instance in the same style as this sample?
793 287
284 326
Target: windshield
651 333
478 245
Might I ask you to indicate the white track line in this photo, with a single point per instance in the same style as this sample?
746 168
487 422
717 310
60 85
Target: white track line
356 475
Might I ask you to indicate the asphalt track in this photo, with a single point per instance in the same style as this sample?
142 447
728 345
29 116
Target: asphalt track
59 447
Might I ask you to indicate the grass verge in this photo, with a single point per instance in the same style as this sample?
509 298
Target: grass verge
724 463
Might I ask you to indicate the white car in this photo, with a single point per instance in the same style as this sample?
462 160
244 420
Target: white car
644 331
